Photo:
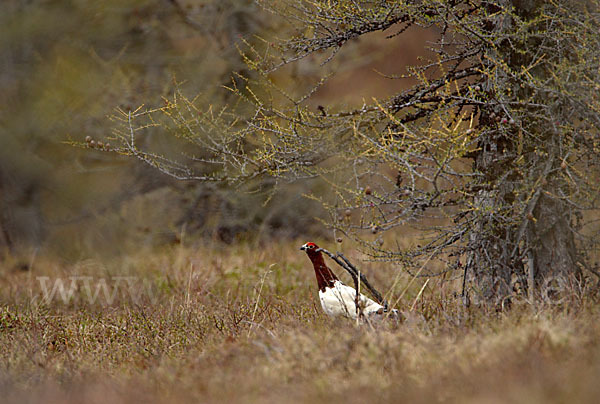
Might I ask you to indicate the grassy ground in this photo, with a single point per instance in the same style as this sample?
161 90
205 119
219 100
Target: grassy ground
242 324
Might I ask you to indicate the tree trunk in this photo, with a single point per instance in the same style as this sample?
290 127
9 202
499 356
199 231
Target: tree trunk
539 248
554 254
5 238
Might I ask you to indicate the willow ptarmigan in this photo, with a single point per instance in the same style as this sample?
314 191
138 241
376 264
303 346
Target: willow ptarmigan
337 299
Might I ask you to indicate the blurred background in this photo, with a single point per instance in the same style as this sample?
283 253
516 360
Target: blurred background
65 65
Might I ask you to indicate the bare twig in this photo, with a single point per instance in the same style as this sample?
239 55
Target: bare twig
262 283
419 294
356 275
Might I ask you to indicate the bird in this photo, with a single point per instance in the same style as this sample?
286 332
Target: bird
336 298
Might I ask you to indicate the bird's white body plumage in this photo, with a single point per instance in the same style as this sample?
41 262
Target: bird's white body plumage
338 300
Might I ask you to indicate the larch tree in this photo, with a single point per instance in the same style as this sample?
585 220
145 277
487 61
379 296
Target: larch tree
494 151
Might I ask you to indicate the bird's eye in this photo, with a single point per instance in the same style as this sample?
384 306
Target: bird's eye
311 246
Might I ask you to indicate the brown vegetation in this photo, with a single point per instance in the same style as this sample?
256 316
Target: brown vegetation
194 320
243 325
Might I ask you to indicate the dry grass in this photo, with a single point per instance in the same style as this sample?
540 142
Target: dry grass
243 324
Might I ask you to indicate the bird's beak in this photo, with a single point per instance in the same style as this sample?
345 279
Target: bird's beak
303 248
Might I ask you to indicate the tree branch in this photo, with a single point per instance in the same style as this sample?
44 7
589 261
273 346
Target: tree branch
354 273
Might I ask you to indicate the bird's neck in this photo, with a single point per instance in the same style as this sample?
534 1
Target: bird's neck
325 276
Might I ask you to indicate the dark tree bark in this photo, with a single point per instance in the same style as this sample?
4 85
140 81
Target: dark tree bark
540 249
552 242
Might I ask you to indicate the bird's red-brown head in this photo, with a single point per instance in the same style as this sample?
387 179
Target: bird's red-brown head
310 248
325 276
